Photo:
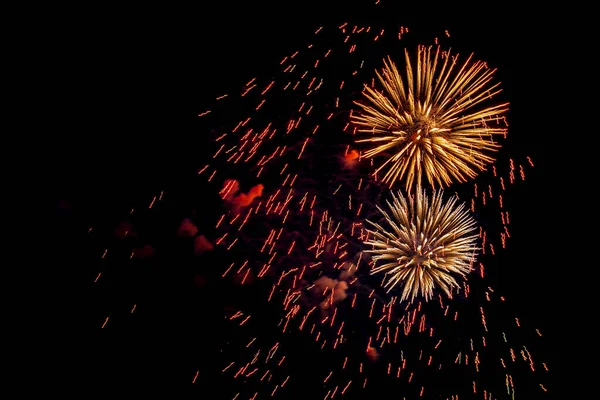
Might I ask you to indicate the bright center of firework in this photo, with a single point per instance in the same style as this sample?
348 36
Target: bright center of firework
421 255
419 130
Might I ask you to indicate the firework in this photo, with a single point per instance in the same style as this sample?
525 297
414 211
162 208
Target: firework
273 228
429 242
432 120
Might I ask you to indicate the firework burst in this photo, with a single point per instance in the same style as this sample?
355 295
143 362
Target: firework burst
429 242
272 225
432 120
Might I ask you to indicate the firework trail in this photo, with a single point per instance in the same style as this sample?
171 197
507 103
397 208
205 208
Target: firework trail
294 197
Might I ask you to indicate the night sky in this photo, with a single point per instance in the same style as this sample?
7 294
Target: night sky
135 81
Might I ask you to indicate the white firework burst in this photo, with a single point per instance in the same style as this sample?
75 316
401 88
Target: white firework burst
428 244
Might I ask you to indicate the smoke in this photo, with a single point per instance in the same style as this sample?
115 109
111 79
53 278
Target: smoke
187 229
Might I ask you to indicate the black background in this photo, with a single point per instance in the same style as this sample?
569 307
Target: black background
127 85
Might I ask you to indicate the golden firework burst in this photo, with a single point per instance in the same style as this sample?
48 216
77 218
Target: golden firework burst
428 243
432 120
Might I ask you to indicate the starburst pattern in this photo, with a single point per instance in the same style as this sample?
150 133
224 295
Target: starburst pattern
271 226
429 242
432 120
